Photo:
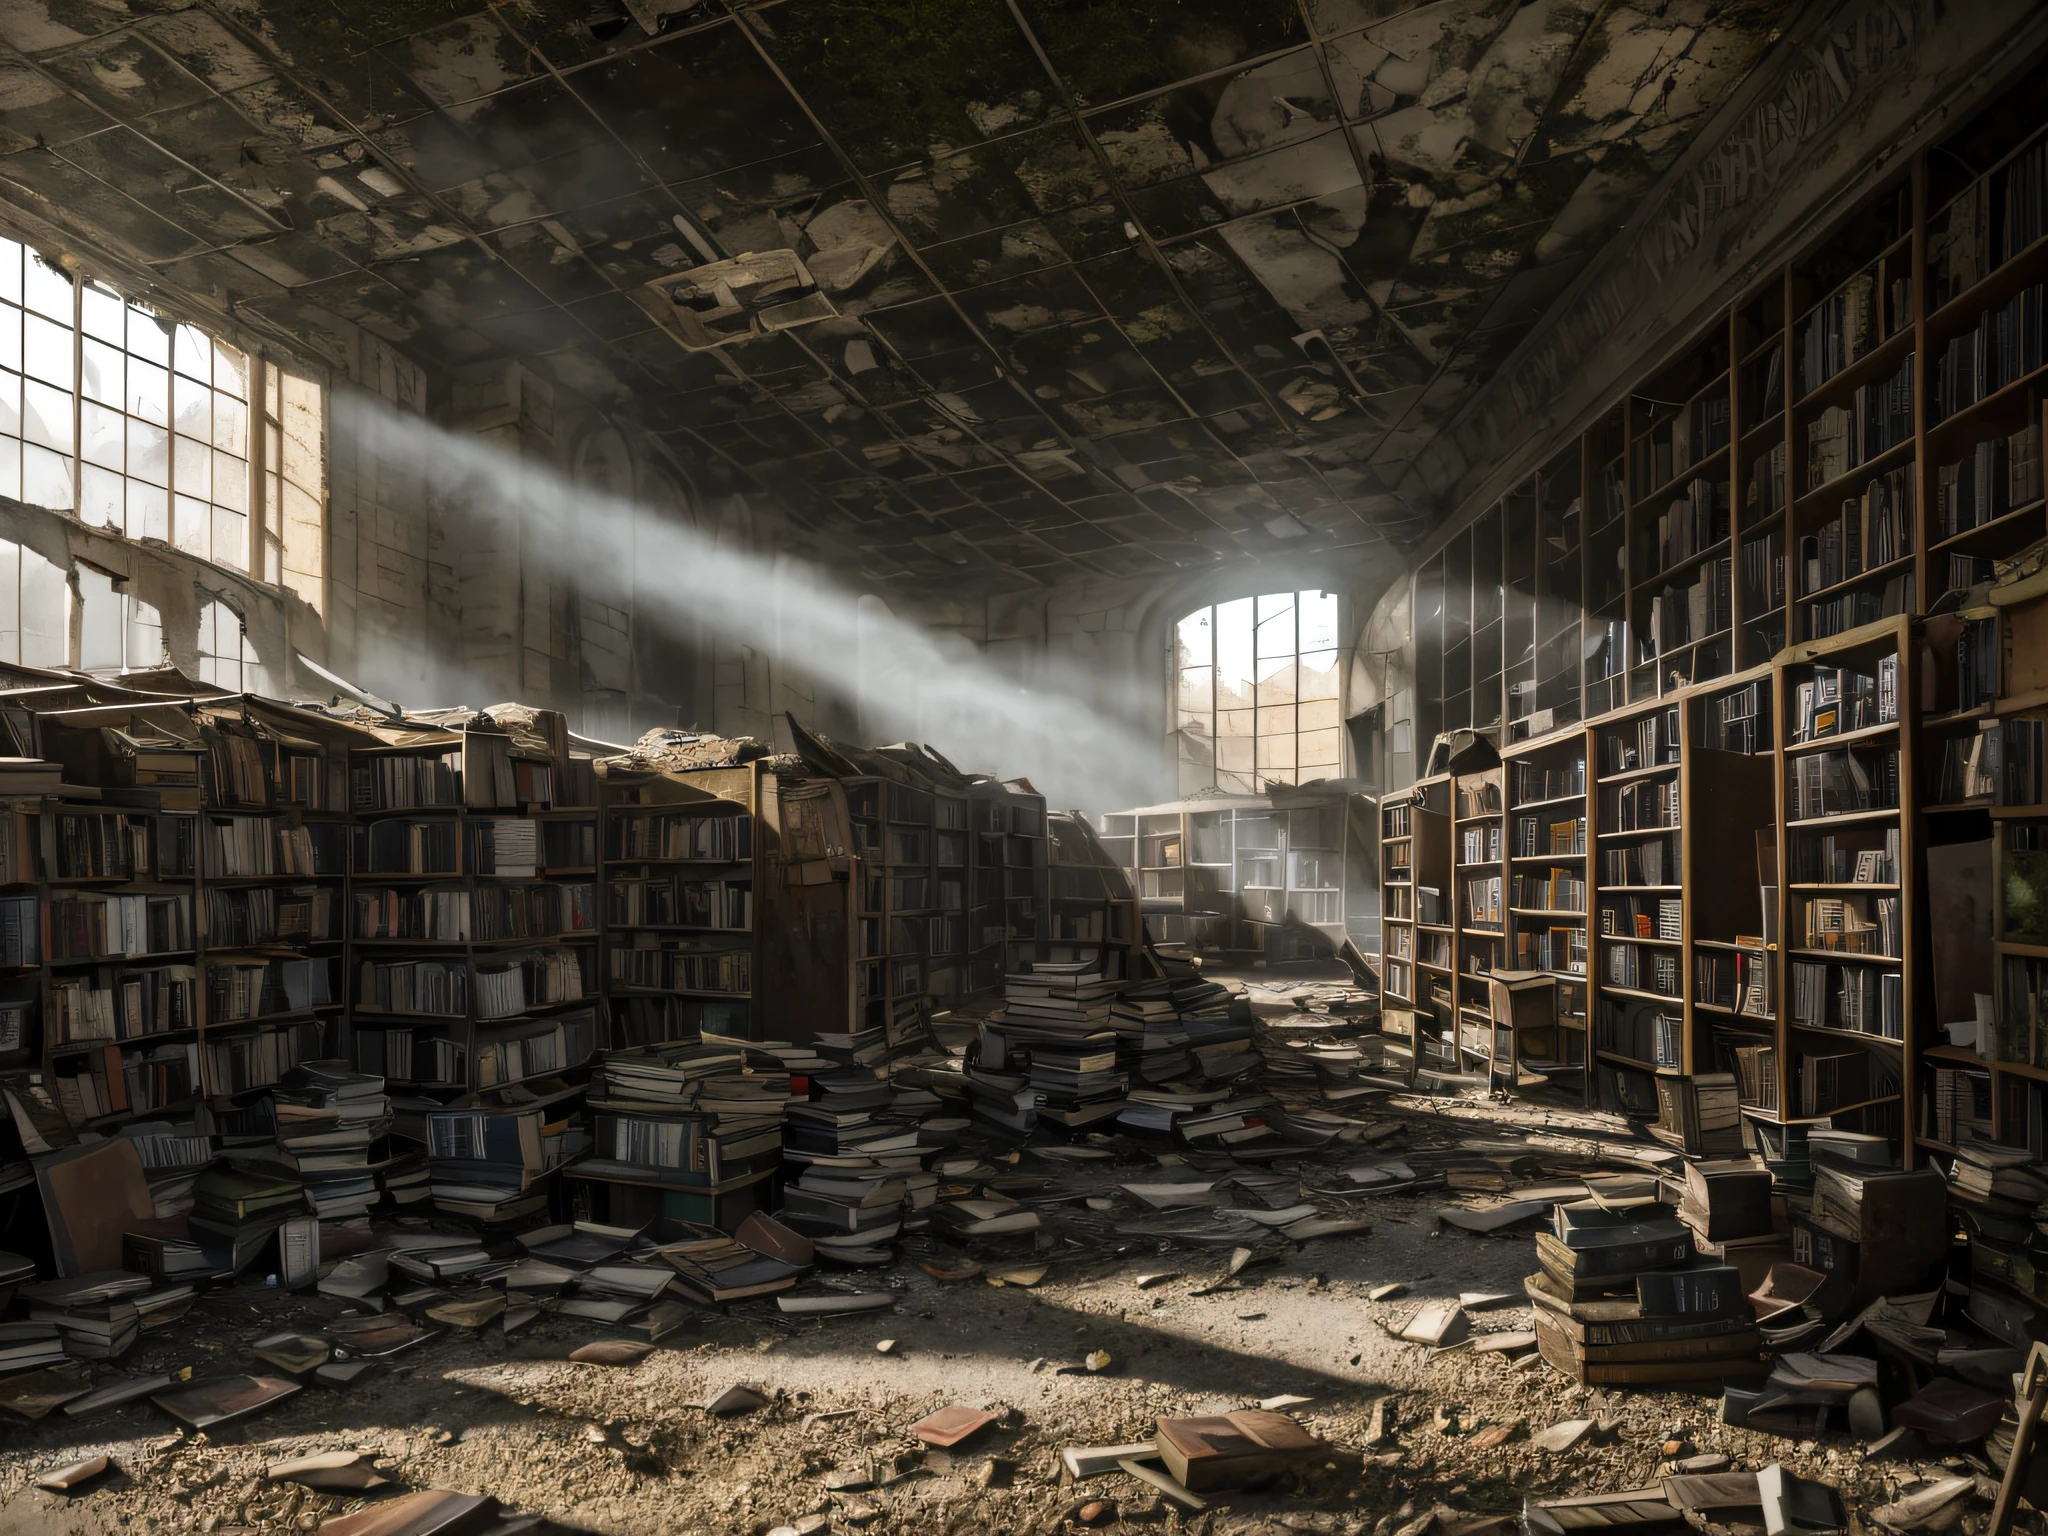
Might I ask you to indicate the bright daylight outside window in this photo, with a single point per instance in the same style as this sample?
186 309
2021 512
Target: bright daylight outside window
145 427
1257 692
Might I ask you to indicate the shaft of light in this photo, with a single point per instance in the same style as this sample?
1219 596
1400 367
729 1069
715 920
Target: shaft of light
1076 734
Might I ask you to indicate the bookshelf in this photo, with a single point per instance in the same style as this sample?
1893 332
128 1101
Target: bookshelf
1479 911
948 975
273 871
101 982
1635 875
1286 875
1607 647
1092 912
1027 882
1547 847
1729 814
1679 562
1849 980
1546 581
1858 436
679 854
1417 946
1995 769
892 838
473 954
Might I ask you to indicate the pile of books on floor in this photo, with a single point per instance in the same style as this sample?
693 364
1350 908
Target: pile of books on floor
692 1114
328 1117
495 1162
237 1214
854 1156
1051 1051
1619 1299
99 1316
1080 1050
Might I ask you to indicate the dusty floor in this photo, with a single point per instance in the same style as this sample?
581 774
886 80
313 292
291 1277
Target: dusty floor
628 1450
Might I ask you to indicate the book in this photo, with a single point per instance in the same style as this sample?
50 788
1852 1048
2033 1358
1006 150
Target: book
1702 1360
1707 1293
1726 1200
1228 1450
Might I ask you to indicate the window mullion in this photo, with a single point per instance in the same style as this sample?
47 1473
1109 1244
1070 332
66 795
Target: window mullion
1215 723
259 444
77 393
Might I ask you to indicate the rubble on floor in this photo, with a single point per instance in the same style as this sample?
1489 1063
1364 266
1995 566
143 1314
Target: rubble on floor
1262 1285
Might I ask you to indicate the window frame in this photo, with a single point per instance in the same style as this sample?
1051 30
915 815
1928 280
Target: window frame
259 540
1263 769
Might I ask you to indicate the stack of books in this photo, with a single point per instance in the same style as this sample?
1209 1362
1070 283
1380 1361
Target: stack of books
98 1316
849 1214
329 1117
761 1258
491 1163
685 1114
1997 1180
1076 1081
236 1212
1593 1251
1679 1325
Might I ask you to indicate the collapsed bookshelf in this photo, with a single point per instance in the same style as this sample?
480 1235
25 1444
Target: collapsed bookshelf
200 892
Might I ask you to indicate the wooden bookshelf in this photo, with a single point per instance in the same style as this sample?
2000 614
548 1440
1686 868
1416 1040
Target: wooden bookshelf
1848 791
474 924
1548 844
1479 912
1728 790
1251 874
1092 911
1865 423
1635 880
1414 917
669 975
2003 748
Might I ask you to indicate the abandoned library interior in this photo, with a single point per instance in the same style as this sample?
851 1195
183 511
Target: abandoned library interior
1011 767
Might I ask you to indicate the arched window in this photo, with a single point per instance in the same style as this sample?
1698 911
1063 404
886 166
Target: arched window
1256 692
226 658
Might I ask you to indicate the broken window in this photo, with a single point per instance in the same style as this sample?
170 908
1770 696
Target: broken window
226 658
1257 697
142 426
35 609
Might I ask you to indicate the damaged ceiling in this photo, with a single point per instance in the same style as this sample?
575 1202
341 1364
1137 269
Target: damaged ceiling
1121 288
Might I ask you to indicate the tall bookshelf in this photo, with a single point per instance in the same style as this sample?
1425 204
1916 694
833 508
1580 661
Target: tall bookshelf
474 961
892 829
679 856
109 1058
1850 956
1092 912
1546 891
1856 437
1982 771
1398 949
273 839
1479 911
948 974
1416 916
1730 797
1285 874
1636 872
